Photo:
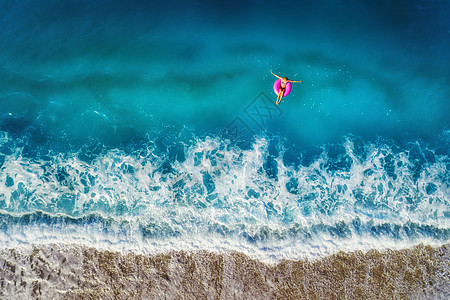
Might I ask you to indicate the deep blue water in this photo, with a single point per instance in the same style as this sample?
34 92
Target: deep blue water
143 123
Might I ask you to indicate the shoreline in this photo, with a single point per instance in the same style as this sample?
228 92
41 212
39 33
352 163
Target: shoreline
68 272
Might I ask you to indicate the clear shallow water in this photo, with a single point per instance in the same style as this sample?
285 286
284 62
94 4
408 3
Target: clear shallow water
116 72
152 127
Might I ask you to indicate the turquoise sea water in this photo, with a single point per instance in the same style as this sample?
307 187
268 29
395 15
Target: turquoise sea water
143 126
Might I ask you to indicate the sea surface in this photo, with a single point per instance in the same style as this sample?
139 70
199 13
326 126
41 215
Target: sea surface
142 155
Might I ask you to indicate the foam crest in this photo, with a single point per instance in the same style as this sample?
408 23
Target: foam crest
354 195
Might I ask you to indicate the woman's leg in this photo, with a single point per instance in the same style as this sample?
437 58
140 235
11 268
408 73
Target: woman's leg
280 95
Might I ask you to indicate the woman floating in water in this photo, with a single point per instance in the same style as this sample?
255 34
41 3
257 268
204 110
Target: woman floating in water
282 86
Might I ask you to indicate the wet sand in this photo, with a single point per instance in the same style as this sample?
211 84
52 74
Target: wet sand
76 272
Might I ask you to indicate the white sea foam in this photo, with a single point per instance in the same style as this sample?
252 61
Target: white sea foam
221 197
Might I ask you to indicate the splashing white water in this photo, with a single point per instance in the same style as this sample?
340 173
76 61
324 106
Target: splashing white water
222 197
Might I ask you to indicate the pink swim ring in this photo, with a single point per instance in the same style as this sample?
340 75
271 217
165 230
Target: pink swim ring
276 87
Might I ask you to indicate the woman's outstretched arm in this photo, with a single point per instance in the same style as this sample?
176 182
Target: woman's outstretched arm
275 74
